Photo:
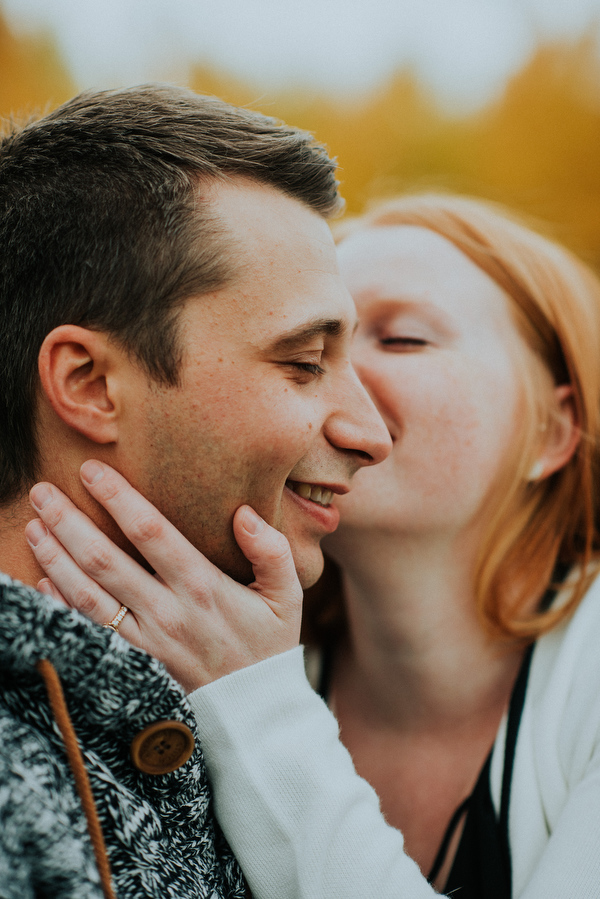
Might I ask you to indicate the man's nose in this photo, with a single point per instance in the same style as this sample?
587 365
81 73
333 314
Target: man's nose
357 426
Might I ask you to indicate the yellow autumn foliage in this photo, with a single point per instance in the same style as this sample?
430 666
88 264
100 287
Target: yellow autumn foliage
535 148
32 76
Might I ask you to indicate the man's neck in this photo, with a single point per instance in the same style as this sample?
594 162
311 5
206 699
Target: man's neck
16 558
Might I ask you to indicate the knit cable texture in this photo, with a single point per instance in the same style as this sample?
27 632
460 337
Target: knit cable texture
160 832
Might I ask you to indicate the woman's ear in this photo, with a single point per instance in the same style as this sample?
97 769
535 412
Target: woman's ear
76 368
561 436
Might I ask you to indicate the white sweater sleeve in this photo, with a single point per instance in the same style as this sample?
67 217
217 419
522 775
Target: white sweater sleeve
301 822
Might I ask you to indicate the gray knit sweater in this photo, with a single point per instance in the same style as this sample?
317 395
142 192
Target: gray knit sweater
160 833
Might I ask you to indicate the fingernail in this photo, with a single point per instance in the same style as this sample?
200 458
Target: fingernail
253 523
35 532
46 587
92 471
40 495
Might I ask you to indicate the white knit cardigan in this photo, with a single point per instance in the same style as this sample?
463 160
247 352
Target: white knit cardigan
304 826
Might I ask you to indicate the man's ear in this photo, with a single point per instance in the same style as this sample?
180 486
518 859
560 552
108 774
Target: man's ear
77 372
561 437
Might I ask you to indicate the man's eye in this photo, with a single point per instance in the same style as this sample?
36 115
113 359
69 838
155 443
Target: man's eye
310 368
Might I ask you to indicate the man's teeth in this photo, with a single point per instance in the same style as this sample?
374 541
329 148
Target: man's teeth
313 492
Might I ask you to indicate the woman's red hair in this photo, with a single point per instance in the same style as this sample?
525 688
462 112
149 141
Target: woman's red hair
532 526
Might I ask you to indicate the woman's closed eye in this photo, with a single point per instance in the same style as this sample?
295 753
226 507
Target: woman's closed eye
403 342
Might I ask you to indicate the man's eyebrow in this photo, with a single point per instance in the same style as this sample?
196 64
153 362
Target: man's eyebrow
327 327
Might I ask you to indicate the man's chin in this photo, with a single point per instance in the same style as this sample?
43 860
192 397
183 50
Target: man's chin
309 567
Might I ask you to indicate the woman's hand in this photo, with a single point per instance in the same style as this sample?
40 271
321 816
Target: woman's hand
196 620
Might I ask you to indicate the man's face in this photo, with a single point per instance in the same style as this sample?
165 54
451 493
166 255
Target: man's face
267 399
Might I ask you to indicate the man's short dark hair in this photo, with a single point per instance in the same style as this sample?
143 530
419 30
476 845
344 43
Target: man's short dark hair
102 225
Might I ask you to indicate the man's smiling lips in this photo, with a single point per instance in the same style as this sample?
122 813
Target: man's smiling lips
317 493
314 492
316 499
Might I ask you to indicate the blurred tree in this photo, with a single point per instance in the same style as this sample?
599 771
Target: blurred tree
537 148
534 148
32 76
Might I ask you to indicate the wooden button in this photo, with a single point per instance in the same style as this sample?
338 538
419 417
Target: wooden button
162 747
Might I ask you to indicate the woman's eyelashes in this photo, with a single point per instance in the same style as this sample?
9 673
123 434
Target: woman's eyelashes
404 342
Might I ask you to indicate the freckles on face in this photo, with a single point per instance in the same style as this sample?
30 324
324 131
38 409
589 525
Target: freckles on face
252 410
248 434
463 429
436 350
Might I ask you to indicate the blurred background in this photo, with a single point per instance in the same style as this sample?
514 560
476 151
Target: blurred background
496 98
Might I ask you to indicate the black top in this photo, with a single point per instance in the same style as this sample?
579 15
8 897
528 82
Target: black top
482 866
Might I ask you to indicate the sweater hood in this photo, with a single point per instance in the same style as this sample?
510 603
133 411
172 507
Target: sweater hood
116 678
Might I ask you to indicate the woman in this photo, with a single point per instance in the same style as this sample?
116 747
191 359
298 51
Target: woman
480 343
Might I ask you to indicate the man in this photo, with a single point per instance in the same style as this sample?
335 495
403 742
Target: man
170 305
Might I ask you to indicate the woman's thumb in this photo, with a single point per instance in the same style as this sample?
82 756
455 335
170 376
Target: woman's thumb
270 555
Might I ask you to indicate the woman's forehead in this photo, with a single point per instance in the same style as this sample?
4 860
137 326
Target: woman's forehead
412 264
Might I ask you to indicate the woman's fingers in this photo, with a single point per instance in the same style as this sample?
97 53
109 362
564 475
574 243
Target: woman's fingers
66 579
96 555
190 615
46 587
275 578
160 543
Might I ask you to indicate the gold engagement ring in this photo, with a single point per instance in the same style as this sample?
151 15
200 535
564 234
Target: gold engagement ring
116 621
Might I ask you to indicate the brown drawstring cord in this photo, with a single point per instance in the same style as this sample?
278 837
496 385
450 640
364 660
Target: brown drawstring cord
82 782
